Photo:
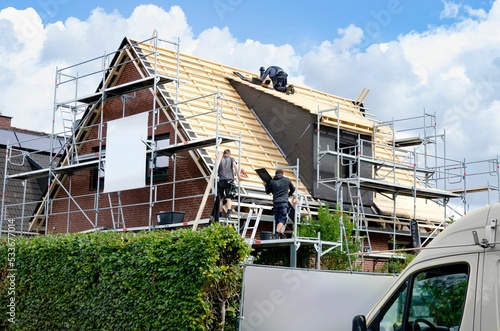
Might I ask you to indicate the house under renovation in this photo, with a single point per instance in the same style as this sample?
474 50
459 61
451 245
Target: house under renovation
136 133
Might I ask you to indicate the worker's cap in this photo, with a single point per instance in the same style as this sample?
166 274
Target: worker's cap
262 69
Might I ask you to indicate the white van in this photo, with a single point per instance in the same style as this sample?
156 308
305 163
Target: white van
453 284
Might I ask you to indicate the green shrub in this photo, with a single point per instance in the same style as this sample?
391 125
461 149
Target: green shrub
155 280
396 265
328 225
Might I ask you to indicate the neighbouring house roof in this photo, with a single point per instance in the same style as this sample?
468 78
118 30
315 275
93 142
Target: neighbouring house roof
25 151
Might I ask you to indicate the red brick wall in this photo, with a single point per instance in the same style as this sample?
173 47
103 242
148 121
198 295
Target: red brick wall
379 242
5 121
135 203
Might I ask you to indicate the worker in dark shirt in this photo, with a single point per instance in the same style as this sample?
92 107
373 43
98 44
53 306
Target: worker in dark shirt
281 188
278 77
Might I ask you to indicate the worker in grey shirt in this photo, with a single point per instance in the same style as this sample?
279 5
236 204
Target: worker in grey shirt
226 173
281 188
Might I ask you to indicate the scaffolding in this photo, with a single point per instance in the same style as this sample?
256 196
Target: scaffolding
83 121
402 162
410 166
82 117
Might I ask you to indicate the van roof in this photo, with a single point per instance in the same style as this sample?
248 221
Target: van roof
458 237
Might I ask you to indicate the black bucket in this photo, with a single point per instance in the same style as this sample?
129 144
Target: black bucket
169 217
265 235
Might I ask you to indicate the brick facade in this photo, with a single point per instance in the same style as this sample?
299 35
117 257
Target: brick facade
135 202
5 121
379 242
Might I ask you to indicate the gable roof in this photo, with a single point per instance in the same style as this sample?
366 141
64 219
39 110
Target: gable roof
204 100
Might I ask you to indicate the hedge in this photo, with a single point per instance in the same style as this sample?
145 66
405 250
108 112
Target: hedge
155 280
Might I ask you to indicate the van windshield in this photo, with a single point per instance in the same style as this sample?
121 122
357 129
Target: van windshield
432 299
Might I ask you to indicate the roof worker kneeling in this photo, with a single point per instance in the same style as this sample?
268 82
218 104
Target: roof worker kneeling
279 78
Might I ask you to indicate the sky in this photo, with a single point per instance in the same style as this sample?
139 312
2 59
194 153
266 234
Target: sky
432 56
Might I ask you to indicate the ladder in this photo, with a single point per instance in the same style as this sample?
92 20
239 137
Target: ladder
303 207
230 220
68 117
358 213
247 226
116 212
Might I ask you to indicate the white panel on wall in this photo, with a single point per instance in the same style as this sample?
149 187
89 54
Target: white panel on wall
126 153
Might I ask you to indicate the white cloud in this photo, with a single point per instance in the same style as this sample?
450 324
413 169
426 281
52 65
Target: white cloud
454 10
171 25
477 13
22 35
450 10
451 71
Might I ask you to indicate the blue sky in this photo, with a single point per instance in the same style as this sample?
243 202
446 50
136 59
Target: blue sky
301 24
441 57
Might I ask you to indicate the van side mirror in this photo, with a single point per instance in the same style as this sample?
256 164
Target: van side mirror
359 323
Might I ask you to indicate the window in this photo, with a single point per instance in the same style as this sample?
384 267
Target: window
438 297
345 165
159 163
392 317
97 174
432 299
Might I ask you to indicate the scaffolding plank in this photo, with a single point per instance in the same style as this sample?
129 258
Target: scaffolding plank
379 162
408 142
474 190
122 89
40 173
420 192
194 144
